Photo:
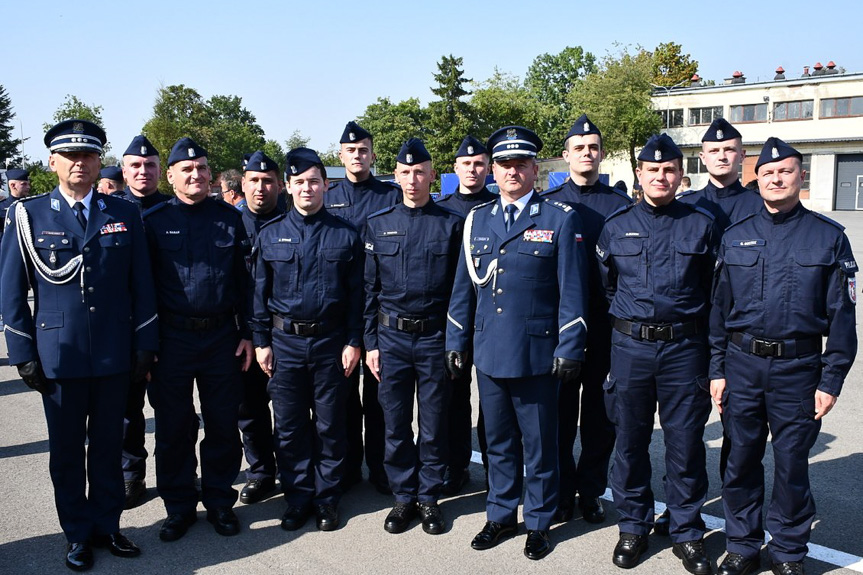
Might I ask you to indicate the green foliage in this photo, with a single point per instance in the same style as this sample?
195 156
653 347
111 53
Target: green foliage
391 125
73 108
502 100
330 157
297 140
42 179
10 153
671 67
273 149
450 118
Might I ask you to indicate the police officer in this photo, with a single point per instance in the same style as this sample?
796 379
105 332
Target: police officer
307 327
471 166
85 256
19 187
656 259
110 181
521 254
594 201
198 247
354 199
141 169
785 278
411 254
261 188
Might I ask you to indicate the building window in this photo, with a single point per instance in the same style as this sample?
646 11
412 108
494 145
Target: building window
842 107
676 118
806 165
749 113
693 166
704 116
801 110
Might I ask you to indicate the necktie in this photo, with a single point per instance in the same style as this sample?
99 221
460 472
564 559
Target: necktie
509 210
79 214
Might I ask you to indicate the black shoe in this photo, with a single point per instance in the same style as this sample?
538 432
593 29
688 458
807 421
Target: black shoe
79 556
176 525
662 524
117 544
257 490
224 520
381 483
627 552
694 558
350 479
455 481
565 510
295 517
328 517
537 545
135 491
736 564
400 517
787 568
591 509
492 534
433 522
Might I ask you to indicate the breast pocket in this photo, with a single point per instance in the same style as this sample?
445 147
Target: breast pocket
689 254
282 259
536 261
438 262
336 262
116 241
745 274
389 258
628 256
53 252
811 272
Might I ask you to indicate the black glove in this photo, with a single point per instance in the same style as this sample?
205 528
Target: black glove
456 362
566 370
142 361
32 374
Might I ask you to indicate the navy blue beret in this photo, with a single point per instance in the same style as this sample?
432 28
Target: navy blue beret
470 146
775 150
75 136
514 142
186 149
141 146
719 131
659 148
582 127
354 133
298 160
259 162
112 173
17 174
413 152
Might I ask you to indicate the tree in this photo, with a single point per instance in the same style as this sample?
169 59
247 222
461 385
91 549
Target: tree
550 79
274 150
450 118
617 99
297 140
670 67
330 157
42 180
9 146
391 125
500 101
74 108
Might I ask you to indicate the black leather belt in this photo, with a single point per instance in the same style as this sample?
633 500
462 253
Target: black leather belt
656 331
410 324
303 328
190 323
776 347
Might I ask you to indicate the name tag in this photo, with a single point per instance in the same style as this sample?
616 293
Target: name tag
747 243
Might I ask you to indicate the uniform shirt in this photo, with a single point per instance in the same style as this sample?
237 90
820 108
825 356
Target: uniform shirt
787 276
143 203
198 253
520 294
728 205
86 326
308 268
594 203
463 203
252 223
411 257
657 262
355 202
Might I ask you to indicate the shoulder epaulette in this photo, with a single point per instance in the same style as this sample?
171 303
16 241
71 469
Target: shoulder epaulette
622 194
740 221
450 211
701 210
153 209
332 185
381 212
559 205
482 205
828 220
685 193
552 190
619 211
444 198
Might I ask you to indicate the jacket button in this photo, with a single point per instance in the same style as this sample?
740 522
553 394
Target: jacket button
536 252
502 251
88 268
499 291
499 310
42 324
86 250
90 289
92 309
500 270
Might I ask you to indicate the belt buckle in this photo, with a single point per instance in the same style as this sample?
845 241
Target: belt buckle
304 328
647 332
200 323
409 325
765 348
665 332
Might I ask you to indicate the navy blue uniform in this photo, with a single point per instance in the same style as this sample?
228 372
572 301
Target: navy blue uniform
255 418
411 257
508 299
308 306
144 203
89 320
594 204
460 424
355 202
783 281
198 253
728 205
656 265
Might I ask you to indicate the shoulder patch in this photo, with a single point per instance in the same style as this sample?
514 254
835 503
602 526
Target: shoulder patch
619 211
559 205
278 218
828 220
381 212
332 185
154 209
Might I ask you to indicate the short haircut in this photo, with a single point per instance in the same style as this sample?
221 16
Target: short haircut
232 181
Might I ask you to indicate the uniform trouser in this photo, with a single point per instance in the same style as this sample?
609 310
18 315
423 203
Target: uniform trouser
672 374
205 358
521 430
590 478
777 395
256 423
309 392
413 365
88 485
364 413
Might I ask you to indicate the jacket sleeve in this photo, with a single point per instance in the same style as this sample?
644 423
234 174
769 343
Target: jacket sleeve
144 306
355 293
572 286
242 304
462 305
372 292
841 347
14 284
607 271
721 302
261 321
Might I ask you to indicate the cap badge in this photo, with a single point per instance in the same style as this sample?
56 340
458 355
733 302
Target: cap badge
720 134
352 136
293 169
409 158
191 152
263 166
774 153
587 126
511 134
143 150
78 127
470 150
657 155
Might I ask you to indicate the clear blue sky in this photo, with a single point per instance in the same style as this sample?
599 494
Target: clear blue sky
315 66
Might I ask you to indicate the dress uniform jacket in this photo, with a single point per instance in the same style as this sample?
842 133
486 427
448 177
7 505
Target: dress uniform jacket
783 281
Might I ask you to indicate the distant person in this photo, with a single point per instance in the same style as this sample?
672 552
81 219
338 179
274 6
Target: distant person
110 181
685 184
232 189
19 187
